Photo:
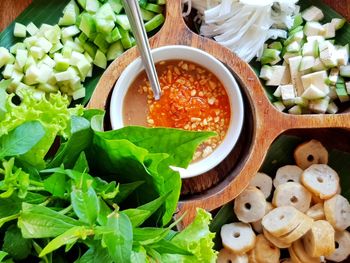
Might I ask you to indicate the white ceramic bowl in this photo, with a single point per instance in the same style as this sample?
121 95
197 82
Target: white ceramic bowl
207 61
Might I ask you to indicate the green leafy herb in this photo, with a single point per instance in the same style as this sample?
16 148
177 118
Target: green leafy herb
15 245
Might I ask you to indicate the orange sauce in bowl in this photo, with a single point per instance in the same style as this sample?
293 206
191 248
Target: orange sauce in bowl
192 99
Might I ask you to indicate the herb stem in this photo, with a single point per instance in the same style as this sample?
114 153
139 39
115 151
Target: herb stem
40 184
66 210
33 188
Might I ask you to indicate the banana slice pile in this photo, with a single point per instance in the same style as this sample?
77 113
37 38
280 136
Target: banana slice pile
306 216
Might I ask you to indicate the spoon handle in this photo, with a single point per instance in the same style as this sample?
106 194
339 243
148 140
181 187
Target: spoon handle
133 12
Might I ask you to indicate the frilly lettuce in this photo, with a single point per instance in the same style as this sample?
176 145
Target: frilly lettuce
52 112
197 239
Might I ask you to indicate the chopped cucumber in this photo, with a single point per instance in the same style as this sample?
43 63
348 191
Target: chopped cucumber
5 57
32 29
100 59
115 50
319 106
146 15
313 93
125 38
88 25
116 5
20 30
266 72
142 3
70 14
154 8
270 56
276 45
70 31
123 21
101 43
298 21
279 106
338 23
106 12
345 71
332 108
113 36
154 22
92 6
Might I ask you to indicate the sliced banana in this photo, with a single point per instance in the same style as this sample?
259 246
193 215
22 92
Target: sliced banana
342 246
292 194
316 212
337 212
237 237
257 226
227 256
312 152
321 180
299 231
250 205
287 173
263 182
319 241
282 220
265 251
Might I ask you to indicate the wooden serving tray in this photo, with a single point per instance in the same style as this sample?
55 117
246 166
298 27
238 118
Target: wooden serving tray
262 126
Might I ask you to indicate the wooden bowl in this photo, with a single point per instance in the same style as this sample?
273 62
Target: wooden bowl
262 126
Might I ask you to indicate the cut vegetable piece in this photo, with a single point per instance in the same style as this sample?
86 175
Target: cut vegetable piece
116 5
154 22
312 13
37 52
70 14
32 29
345 71
47 87
289 55
78 94
65 75
104 26
332 108
32 75
293 47
101 43
126 40
318 79
318 66
5 57
88 25
276 45
298 21
343 55
301 102
113 36
266 72
313 29
341 91
106 12
44 44
313 93
154 8
338 23
115 50
48 61
161 2
8 71
146 15
347 85
319 106
270 56
328 54
277 92
278 73
287 94
333 76
21 57
100 59
62 64
296 110
294 64
310 49
90 48
20 30
279 106
46 73
329 30
17 76
92 6
307 62
17 46
70 31
123 21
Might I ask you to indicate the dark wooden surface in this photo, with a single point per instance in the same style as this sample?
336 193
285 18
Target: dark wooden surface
10 9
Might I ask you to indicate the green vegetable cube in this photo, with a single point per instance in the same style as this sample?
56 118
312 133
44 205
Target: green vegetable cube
100 59
5 57
88 25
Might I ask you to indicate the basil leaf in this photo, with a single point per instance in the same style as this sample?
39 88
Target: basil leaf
125 190
15 245
79 140
137 216
85 204
81 165
138 255
68 237
36 221
149 235
96 254
21 139
104 212
56 184
119 242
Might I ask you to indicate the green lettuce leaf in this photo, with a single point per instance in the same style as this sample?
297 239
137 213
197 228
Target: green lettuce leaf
197 239
52 112
144 154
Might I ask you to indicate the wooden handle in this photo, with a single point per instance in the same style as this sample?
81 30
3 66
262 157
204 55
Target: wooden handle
268 122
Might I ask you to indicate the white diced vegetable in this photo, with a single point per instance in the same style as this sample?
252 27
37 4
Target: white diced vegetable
301 102
279 106
46 72
307 62
343 55
48 61
313 29
293 47
287 92
17 76
70 31
278 73
20 30
318 66
328 56
8 71
313 93
310 49
32 29
333 76
277 92
296 110
65 75
78 94
5 57
312 13
329 30
44 44
347 85
21 57
294 64
338 23
345 71
318 79
32 75
37 52
332 108
266 72
319 106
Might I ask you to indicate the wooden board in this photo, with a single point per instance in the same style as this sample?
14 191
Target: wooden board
262 125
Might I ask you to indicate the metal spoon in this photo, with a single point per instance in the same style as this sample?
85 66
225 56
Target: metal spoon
133 12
